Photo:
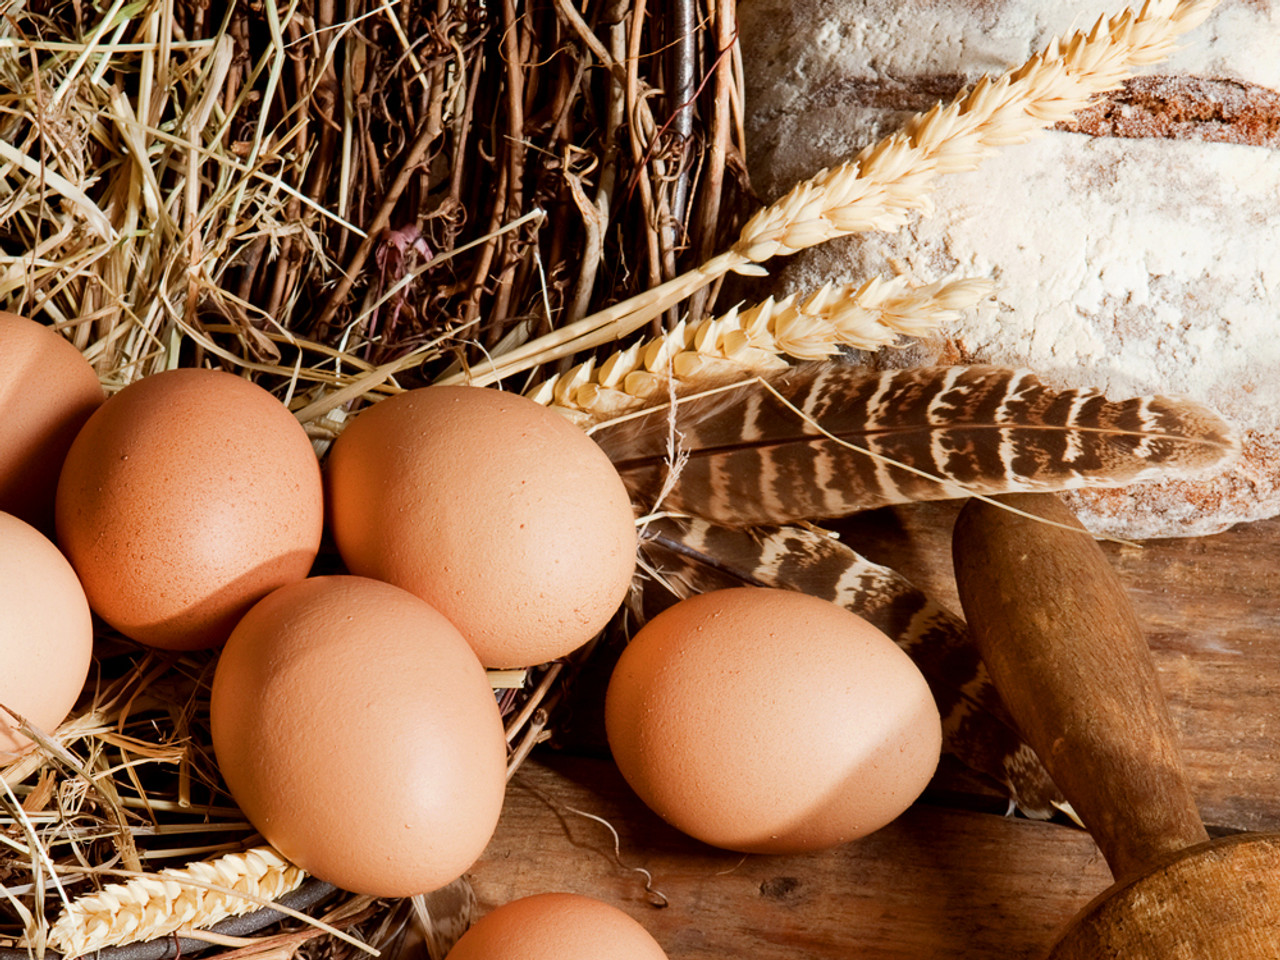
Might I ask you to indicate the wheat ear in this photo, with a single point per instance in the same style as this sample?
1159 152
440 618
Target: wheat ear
753 341
159 905
877 189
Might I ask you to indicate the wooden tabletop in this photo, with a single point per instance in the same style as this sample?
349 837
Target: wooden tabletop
954 876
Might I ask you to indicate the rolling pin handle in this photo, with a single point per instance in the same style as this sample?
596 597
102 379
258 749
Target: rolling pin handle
1065 648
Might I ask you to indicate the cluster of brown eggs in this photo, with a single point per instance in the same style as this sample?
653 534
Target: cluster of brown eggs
351 715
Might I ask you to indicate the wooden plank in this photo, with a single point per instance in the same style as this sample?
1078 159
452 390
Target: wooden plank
935 883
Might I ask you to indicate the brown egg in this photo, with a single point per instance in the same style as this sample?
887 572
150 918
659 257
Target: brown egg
557 926
769 721
46 633
47 391
495 510
358 732
186 497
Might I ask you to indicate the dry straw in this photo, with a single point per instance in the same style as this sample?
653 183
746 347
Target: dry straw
880 187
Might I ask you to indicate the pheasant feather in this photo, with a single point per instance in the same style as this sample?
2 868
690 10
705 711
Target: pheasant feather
696 557
826 440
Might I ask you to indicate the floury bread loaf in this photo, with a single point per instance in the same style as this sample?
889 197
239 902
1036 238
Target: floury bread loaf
1138 252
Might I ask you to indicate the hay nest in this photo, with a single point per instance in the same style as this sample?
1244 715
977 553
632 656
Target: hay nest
339 200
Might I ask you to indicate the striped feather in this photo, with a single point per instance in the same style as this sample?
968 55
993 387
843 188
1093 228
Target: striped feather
835 439
695 557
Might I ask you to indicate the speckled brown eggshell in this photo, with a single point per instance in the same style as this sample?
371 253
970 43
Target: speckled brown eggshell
557 926
769 721
358 732
492 508
47 392
186 497
46 633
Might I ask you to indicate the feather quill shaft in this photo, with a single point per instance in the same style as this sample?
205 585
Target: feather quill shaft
826 440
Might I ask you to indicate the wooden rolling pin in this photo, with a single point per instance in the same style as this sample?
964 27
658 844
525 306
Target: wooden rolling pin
1067 653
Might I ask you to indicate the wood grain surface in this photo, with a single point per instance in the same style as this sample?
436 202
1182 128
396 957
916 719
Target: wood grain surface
952 877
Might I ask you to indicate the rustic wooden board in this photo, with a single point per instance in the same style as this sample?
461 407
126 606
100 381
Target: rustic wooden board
945 880
935 883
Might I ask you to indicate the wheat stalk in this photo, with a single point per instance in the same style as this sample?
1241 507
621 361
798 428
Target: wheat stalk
753 341
149 907
882 185
879 187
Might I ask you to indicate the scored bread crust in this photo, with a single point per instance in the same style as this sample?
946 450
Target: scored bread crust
1135 250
